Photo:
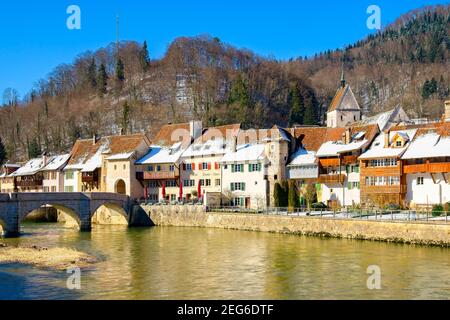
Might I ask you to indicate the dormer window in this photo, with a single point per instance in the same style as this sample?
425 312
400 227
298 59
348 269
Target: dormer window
399 143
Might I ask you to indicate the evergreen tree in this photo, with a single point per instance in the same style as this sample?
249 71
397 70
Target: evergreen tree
102 81
293 199
125 117
297 107
277 195
240 102
145 59
34 149
310 117
92 74
3 155
120 70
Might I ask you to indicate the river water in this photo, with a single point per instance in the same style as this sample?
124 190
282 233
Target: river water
194 263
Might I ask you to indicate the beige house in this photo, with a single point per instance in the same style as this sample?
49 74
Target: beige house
53 174
106 165
6 180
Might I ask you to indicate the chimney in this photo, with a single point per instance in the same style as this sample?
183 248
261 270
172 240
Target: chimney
195 128
94 139
447 110
386 139
44 159
346 136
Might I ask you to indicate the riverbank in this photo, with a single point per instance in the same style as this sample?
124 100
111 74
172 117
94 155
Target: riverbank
49 258
423 233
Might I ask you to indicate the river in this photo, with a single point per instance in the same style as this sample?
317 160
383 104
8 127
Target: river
194 263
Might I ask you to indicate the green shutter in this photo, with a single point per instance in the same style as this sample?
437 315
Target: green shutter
232 186
349 186
232 168
347 169
259 166
250 168
243 186
357 169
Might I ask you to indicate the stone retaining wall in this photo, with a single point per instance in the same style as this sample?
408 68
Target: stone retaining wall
402 232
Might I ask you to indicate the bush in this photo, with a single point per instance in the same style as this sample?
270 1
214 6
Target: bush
319 205
438 210
392 207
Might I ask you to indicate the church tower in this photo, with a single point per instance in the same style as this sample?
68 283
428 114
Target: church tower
344 109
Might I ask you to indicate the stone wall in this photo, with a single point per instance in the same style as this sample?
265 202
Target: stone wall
402 232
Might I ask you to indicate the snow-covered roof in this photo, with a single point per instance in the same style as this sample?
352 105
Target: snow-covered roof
334 148
11 165
95 161
210 147
121 156
159 154
430 145
247 152
30 168
56 162
303 157
378 149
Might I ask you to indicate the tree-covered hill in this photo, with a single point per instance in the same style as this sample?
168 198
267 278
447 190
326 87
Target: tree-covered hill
201 77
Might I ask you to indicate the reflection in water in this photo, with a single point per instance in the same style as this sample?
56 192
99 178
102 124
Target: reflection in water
190 263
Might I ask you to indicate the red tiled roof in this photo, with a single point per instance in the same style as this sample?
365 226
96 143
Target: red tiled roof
164 136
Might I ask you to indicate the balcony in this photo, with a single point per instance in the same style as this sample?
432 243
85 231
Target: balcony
89 178
333 162
437 167
331 178
352 159
398 189
161 175
30 183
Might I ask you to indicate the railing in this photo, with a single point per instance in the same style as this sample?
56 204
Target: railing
349 160
359 214
89 179
331 178
438 167
384 189
30 183
162 175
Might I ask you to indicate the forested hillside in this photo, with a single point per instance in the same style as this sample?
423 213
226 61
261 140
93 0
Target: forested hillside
105 93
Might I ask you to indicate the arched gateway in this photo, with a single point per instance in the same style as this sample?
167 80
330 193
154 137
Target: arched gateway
80 206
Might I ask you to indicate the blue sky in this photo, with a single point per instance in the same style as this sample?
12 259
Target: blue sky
34 37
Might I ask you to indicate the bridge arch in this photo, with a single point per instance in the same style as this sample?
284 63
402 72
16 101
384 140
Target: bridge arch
110 213
65 208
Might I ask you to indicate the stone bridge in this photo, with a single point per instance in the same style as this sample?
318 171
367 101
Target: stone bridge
15 207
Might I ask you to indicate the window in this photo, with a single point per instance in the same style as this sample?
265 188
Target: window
150 168
238 202
53 189
46 189
171 183
69 175
208 182
189 183
68 189
254 167
391 162
217 182
237 186
202 182
205 166
158 168
152 184
237 168
115 167
173 197
171 168
420 181
189 167
399 143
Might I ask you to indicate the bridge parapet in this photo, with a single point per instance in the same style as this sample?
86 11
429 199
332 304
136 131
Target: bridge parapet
81 206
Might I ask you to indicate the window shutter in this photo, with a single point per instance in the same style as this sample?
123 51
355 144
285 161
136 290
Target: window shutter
193 166
232 186
184 166
250 168
347 168
217 166
232 168
349 186
259 167
243 186
209 166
